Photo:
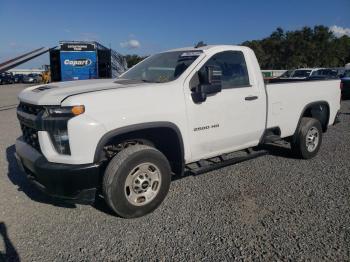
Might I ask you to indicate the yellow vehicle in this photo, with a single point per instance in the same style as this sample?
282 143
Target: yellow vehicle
46 77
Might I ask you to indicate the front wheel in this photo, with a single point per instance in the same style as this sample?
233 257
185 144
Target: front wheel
307 141
136 181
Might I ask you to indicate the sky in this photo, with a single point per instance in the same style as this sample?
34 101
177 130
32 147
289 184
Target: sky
147 27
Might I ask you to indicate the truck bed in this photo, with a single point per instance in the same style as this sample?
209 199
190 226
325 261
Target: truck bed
287 100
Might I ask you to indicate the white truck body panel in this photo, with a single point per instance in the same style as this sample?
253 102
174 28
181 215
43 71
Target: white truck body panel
287 101
125 107
237 123
59 91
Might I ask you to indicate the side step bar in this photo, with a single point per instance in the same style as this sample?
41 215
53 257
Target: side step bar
207 165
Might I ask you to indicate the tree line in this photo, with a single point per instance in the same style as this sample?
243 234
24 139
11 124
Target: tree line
308 47
132 60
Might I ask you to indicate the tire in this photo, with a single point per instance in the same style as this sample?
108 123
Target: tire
308 139
132 171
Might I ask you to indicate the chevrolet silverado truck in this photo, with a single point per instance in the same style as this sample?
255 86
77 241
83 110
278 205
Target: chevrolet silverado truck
184 109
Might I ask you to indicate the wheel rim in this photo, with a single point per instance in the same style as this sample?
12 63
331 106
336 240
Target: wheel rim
312 139
142 184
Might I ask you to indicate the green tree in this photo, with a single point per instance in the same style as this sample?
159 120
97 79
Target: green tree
132 60
308 47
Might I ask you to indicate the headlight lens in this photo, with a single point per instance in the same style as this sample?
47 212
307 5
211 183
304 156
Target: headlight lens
67 111
59 136
61 141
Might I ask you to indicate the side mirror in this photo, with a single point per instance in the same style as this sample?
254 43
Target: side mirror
209 83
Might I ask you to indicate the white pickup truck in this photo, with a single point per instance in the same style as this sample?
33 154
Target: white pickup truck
184 108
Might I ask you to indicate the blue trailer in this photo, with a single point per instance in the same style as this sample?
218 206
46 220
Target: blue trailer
80 60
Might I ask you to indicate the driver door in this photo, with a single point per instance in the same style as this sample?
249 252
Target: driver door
229 120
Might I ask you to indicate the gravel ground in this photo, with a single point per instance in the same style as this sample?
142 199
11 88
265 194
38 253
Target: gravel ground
270 208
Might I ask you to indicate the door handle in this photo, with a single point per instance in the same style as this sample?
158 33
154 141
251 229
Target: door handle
250 98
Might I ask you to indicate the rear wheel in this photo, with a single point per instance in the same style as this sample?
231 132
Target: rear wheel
136 181
307 141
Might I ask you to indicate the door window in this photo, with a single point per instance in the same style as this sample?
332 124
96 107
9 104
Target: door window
233 67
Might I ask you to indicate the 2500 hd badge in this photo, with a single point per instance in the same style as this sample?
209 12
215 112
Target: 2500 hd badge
201 128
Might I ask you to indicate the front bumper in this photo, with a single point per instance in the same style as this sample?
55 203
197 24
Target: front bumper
72 183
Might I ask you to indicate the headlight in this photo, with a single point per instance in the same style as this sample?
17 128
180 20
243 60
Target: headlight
67 111
61 141
59 134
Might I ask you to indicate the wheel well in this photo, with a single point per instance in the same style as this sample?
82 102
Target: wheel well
166 139
319 111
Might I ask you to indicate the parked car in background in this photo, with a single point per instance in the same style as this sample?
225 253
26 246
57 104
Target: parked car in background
18 78
287 74
340 71
345 85
285 77
323 74
32 78
6 78
303 73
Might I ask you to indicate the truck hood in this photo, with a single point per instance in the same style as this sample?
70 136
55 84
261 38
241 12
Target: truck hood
55 93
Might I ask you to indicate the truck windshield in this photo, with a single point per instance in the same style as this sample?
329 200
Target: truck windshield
163 67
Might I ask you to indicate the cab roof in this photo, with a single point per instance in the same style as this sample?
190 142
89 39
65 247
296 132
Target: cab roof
209 47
